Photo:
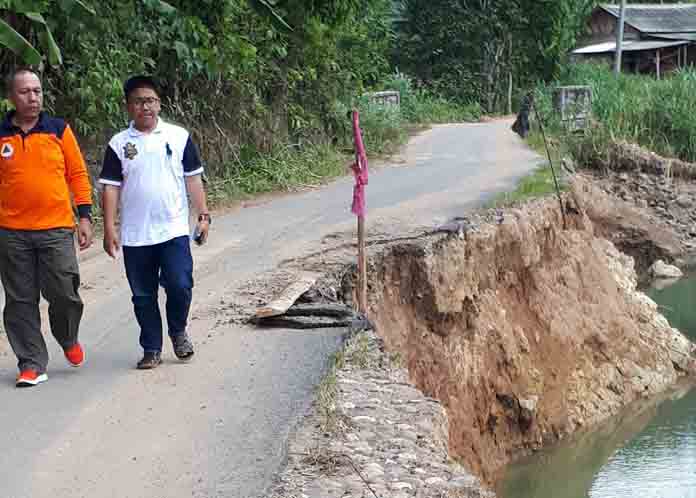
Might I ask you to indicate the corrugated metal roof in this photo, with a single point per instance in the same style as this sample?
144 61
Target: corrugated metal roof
662 18
628 46
675 36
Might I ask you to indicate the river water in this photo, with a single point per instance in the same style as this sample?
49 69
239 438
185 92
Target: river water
648 451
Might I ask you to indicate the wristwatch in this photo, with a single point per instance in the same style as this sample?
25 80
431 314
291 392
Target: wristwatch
206 217
84 212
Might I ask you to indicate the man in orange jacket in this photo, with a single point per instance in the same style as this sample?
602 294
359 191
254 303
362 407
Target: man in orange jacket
42 172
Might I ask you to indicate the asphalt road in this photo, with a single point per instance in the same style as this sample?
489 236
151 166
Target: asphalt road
218 427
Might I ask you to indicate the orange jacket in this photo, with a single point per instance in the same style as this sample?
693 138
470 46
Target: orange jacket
38 172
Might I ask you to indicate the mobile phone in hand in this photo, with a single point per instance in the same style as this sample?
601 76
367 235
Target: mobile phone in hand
197 237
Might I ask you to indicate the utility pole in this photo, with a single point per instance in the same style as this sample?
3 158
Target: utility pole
619 38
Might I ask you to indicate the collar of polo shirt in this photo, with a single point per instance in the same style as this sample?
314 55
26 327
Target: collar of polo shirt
134 132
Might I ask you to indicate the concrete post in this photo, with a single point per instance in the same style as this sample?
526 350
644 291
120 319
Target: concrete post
619 38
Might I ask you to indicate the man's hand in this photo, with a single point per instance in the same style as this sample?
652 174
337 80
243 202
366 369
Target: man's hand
202 229
84 233
194 186
112 244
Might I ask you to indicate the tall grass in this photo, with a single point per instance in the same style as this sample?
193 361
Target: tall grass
659 115
384 129
420 106
284 169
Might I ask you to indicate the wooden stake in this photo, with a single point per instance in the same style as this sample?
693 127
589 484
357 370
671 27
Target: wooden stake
657 63
360 170
362 267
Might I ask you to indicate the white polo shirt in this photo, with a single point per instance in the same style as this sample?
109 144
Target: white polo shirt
150 168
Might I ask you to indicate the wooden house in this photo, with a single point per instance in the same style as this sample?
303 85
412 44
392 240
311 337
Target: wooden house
658 38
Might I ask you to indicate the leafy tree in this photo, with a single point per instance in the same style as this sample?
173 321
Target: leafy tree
470 52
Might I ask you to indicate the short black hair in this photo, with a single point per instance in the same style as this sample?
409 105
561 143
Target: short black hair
10 79
137 82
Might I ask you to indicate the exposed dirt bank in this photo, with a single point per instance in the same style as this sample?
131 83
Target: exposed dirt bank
660 195
633 224
524 330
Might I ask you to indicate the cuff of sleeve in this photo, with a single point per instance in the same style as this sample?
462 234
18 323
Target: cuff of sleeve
195 172
85 211
105 181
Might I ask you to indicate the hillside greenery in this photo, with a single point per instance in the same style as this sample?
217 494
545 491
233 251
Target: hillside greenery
266 86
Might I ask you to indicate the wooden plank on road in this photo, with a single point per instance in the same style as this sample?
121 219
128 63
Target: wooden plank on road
281 303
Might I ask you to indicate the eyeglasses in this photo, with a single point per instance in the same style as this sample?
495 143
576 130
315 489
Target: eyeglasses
144 101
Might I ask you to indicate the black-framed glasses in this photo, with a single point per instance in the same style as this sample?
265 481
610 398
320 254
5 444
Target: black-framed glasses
144 101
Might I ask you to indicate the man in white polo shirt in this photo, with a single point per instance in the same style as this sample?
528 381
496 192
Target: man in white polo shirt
150 168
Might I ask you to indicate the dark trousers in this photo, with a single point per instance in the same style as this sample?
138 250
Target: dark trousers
170 264
34 263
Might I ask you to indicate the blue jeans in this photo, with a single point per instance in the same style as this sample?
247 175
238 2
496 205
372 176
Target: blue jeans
169 263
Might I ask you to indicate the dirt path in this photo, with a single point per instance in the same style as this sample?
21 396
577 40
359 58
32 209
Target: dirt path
217 427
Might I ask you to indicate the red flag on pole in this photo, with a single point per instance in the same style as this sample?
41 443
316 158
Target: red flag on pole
359 168
358 208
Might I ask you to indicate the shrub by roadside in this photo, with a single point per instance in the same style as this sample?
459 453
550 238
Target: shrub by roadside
657 114
308 164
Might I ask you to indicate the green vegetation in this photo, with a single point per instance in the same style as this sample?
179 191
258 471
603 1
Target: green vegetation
282 169
421 105
656 114
356 351
474 51
537 184
265 86
326 401
526 40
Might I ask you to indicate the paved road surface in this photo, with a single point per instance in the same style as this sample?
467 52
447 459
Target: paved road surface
217 427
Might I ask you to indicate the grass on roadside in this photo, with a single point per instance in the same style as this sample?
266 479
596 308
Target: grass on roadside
657 114
355 351
422 106
326 400
284 169
537 184
384 129
433 110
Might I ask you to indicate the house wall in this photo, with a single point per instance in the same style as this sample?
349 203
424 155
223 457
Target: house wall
691 55
644 62
601 28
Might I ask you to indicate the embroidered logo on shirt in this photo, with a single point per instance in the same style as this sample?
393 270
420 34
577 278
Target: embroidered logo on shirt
130 151
7 151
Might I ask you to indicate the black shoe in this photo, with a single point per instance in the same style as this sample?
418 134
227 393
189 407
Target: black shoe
183 349
150 361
